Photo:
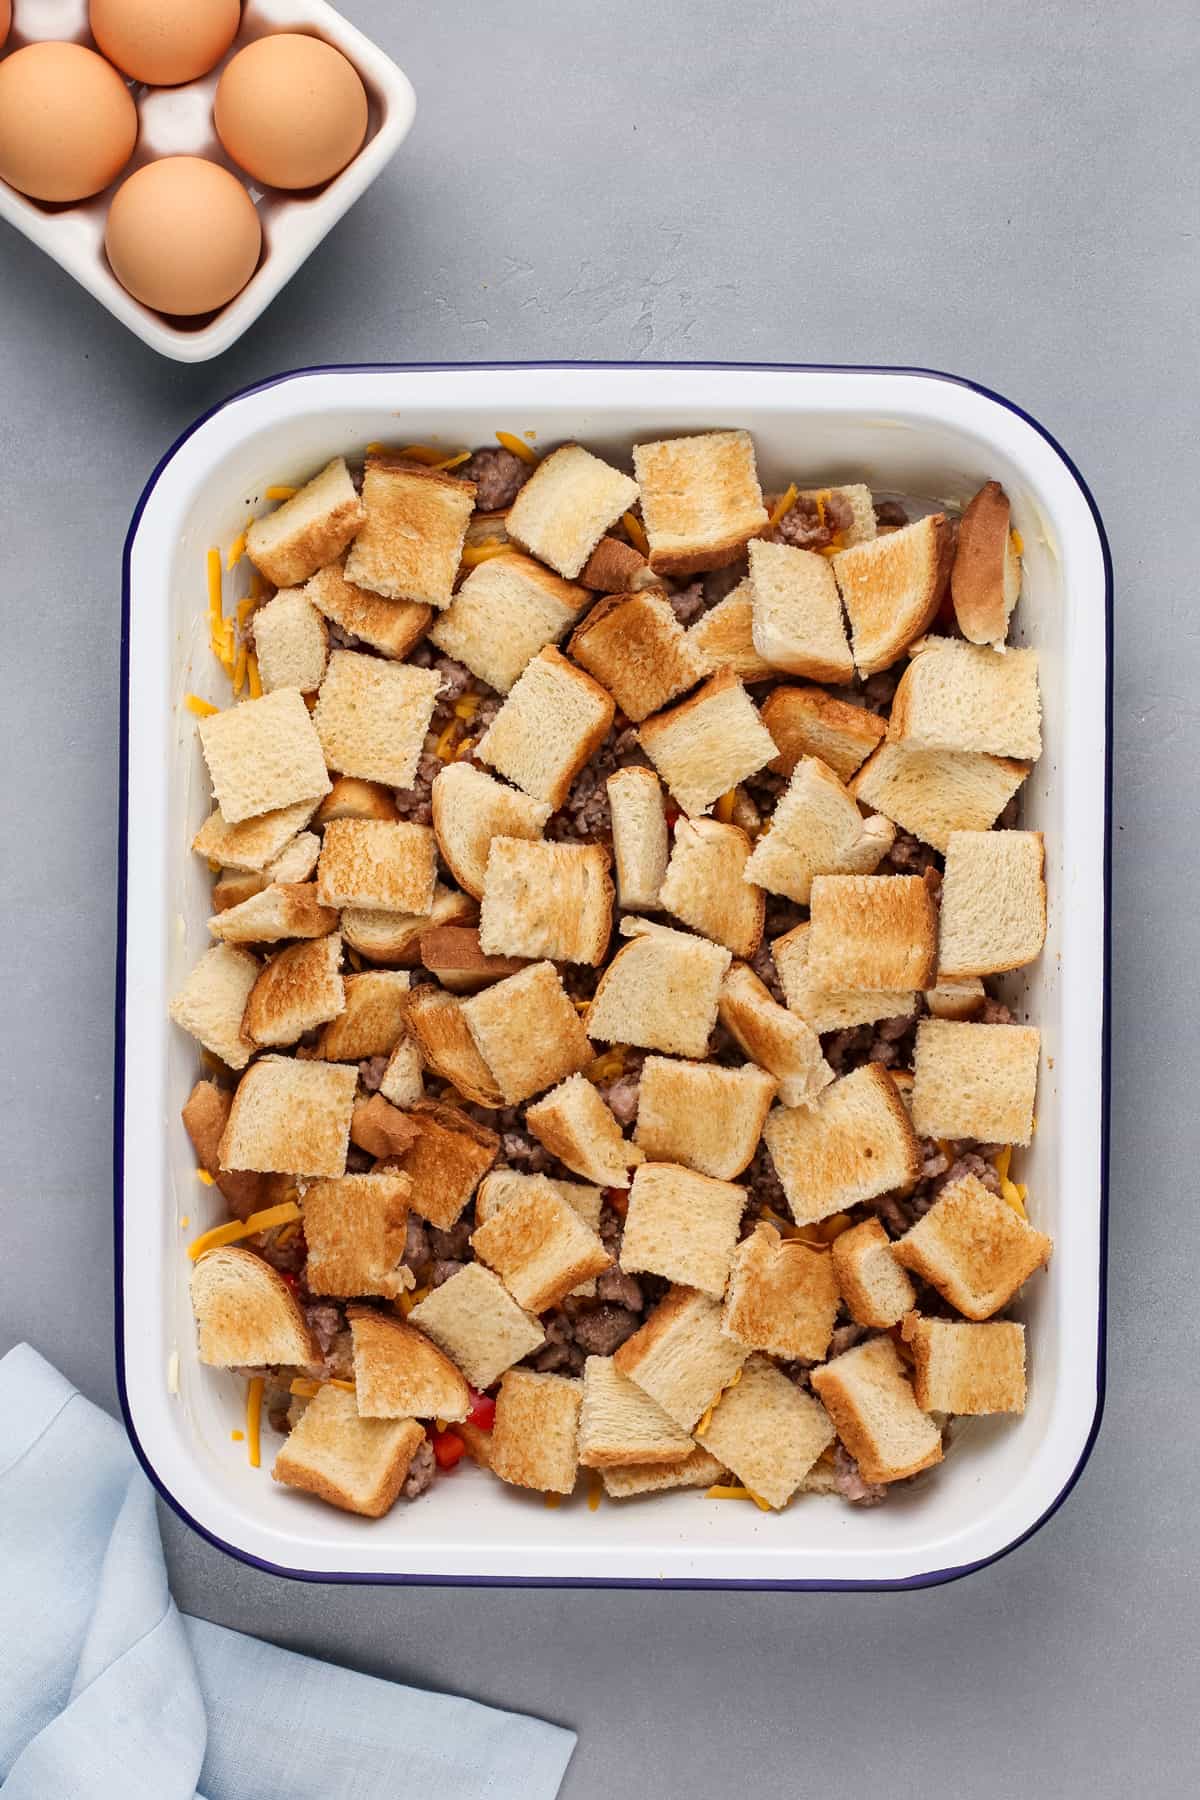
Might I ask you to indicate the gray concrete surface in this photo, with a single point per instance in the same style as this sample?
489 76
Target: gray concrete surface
1008 193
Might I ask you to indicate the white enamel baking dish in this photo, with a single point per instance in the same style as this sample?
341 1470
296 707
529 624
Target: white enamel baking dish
912 432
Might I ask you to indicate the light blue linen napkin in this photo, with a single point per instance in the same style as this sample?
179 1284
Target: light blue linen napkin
106 1689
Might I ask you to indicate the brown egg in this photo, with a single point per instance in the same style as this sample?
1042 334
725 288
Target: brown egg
162 42
290 110
67 122
183 235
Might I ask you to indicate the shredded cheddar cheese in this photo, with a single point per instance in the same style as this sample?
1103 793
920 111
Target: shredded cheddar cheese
595 1491
464 749
241 663
253 676
551 1500
508 442
203 709
254 1420
238 548
607 1067
783 506
467 707
246 607
706 1421
281 491
304 1387
455 461
185 1221
723 810
637 532
204 1176
1011 1195
238 1436
736 1493
1001 1161
242 1228
444 748
474 554
411 1299
1018 542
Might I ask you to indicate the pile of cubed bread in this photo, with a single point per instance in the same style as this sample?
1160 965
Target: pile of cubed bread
601 1072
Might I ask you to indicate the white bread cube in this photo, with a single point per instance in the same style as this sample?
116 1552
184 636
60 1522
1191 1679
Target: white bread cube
958 998
452 953
636 648
975 1081
535 1436
507 609
934 792
680 1357
411 542
816 829
993 911
290 1118
867 1395
359 1465
540 1247
615 567
254 843
400 1374
973 1248
566 506
263 754
476 1321
528 1032
659 992
291 642
403 1082
436 1023
956 696
378 866
806 721
354 1227
639 828
797 621
985 581
352 798
293 864
546 900
682 1225
246 1314
553 719
823 1010
782 1298
298 989
874 1286
470 808
236 885
701 499
702 1115
373 1021
212 1003
724 638
619 1424
283 910
768 1432
372 716
892 588
502 1186
699 1470
447 1161
704 888
579 1129
707 744
393 627
875 932
309 530
967 1369
855 1142
784 1045
395 938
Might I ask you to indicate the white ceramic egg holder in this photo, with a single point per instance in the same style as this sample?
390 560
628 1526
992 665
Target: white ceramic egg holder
178 122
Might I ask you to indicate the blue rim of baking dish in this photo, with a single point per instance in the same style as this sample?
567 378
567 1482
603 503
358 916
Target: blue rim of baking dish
927 1578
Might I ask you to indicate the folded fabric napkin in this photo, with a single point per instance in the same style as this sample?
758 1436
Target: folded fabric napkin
107 1689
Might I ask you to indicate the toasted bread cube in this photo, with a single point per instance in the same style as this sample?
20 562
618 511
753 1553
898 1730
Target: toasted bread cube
566 506
351 798
826 1011
262 755
476 1321
400 1374
355 1231
502 1186
724 638
297 990
706 745
768 1432
892 588
703 885
395 938
283 910
535 1436
973 1248
470 808
373 1021
960 998
254 843
782 1298
393 627
682 1225
291 642
372 716
873 1284
402 1082
986 578
871 931
619 1424
993 911
639 828
787 1047
856 1141
615 567
700 500
212 1003
380 1128
957 696
699 1470
975 1081
452 953
528 1032
680 1357
796 620
410 545
507 609
310 529
377 866
246 1314
816 829
293 865
635 647
546 900
438 1025
205 1114
553 719
867 1395
540 1248
447 1162
660 992
967 1368
934 792
806 721
702 1115
291 1118
356 1464
576 1126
